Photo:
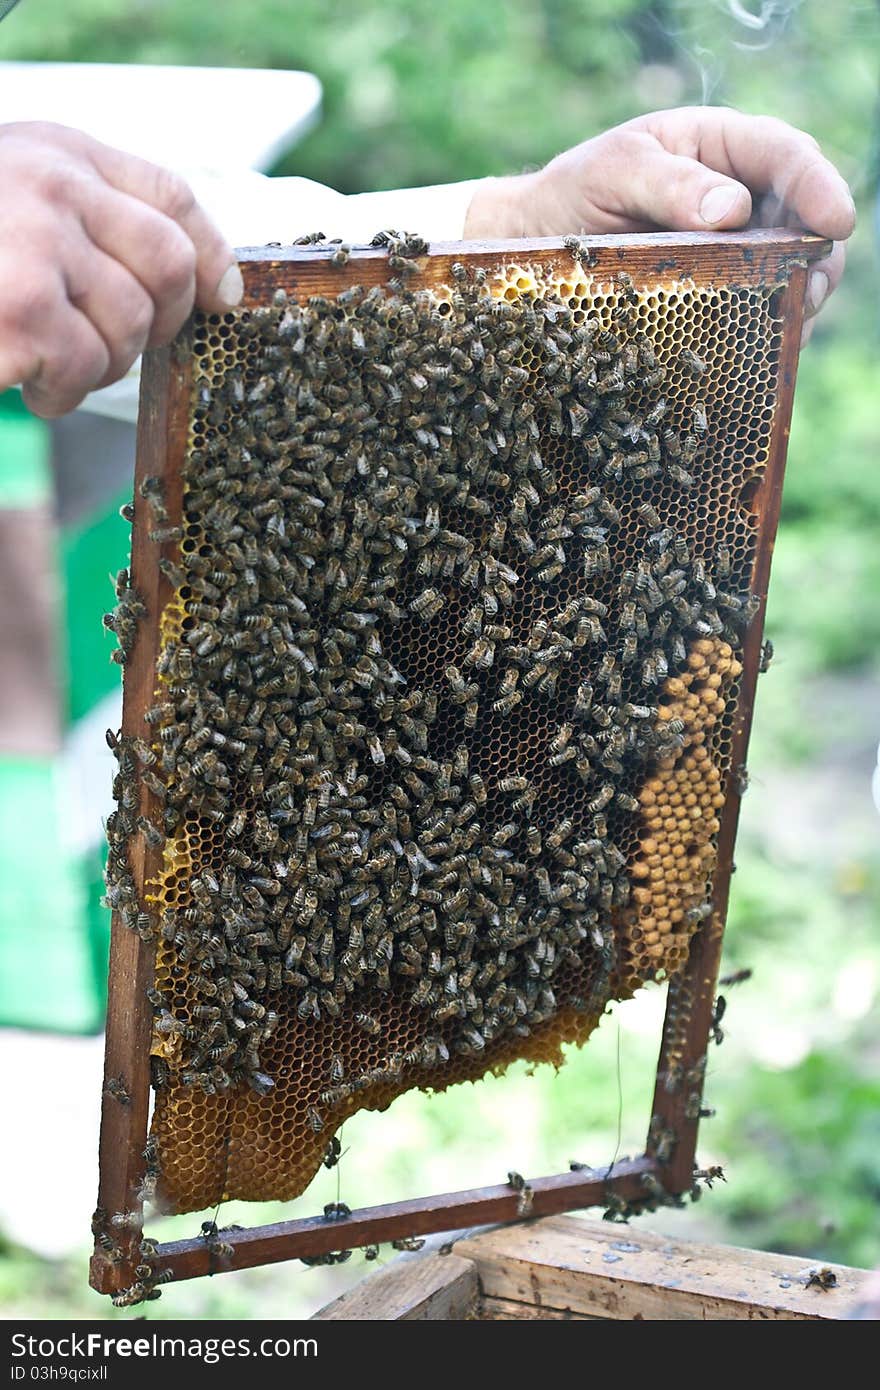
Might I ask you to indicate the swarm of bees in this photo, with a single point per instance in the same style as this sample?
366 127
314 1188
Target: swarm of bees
621 1210
432 581
148 1273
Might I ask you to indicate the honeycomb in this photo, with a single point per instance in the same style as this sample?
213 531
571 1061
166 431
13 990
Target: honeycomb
445 690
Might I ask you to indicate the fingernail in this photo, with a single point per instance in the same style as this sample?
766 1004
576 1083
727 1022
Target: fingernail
231 287
718 203
818 289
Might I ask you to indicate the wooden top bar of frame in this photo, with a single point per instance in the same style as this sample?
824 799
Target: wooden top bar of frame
758 257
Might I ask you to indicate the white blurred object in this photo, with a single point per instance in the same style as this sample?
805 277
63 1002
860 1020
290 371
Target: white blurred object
161 113
875 782
49 1155
855 989
86 769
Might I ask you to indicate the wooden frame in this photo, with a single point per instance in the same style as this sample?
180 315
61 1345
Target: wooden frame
765 258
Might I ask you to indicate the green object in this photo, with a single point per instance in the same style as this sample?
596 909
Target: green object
54 933
25 475
48 958
90 555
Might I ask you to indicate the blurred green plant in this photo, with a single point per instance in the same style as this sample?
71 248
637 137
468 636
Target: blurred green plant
420 93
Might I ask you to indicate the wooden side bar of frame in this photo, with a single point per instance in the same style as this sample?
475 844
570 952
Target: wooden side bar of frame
695 989
772 257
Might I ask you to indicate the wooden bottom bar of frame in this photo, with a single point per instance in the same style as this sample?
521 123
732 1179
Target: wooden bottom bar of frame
451 1211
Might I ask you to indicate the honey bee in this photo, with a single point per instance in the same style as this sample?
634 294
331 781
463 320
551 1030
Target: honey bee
428 604
109 1246
680 475
694 364
128 1220
152 490
710 1175
718 1012
663 1139
617 1210
602 798
136 1293
115 1086
219 1249
173 573
513 784
525 1197
580 253
823 1279
736 977
142 751
336 1211
151 832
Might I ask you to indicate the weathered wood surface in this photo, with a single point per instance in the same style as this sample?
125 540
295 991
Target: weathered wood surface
162 422
509 1310
602 1270
570 1269
752 257
421 1216
697 985
429 1286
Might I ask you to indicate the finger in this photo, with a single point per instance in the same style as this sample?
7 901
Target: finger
71 360
218 280
47 346
824 278
115 303
648 184
17 357
152 248
15 364
770 156
807 331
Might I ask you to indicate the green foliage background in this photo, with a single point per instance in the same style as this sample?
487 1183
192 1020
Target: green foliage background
422 92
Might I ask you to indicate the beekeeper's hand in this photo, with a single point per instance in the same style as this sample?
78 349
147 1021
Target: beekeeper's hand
101 255
696 168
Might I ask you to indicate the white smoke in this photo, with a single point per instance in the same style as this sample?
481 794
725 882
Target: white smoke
767 18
